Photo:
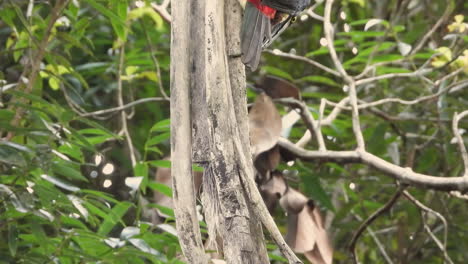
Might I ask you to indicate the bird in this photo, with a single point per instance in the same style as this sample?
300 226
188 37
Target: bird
263 22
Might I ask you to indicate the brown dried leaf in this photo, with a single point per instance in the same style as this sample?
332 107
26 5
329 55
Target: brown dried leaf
306 233
322 252
273 189
264 124
293 201
278 88
266 162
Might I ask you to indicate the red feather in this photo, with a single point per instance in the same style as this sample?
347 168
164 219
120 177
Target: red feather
266 10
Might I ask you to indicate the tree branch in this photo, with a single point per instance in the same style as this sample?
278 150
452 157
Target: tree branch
442 246
307 117
279 53
161 9
368 222
403 175
328 29
456 119
123 107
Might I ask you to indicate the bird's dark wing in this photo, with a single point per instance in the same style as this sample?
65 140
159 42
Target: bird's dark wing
256 28
292 7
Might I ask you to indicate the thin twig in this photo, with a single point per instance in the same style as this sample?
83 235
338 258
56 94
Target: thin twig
416 73
456 119
442 246
123 115
373 234
439 22
123 107
155 61
328 29
372 218
311 12
307 117
304 59
338 107
162 10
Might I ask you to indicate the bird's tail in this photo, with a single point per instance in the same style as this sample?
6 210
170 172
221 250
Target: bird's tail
255 28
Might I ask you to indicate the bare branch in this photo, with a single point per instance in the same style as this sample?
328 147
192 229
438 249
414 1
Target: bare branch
328 28
443 247
123 115
329 32
417 73
338 107
304 139
155 61
368 222
162 10
307 117
403 175
414 101
456 119
439 22
123 107
311 12
279 53
261 209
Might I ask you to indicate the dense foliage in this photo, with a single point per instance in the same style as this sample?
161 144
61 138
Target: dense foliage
77 179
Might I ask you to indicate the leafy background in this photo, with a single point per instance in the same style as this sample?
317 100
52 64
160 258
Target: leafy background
71 193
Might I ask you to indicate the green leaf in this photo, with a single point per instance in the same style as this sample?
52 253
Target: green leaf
147 11
162 188
165 210
99 194
12 238
39 233
117 212
376 48
160 163
362 34
158 139
68 170
106 12
384 70
72 222
141 169
11 156
320 79
277 72
95 210
162 126
314 188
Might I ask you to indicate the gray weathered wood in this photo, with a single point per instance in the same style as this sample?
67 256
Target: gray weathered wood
233 14
183 190
233 216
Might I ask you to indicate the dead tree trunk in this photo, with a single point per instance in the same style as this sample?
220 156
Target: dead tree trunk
182 180
209 78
